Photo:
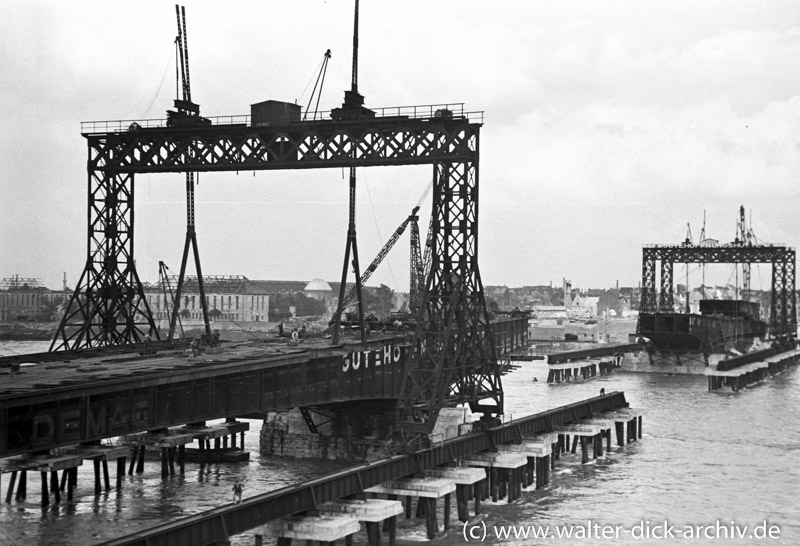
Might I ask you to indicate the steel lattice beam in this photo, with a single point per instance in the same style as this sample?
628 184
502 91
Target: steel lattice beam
387 141
783 315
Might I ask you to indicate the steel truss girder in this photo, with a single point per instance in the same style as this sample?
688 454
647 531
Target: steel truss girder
387 141
783 316
456 361
108 306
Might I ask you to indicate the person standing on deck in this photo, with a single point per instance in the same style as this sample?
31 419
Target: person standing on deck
237 492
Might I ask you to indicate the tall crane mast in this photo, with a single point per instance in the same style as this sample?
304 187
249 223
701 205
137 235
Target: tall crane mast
187 113
744 237
352 109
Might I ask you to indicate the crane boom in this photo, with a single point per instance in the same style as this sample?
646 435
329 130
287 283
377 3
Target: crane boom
351 296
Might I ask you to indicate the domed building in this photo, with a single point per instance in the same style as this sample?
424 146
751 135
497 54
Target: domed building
318 289
322 291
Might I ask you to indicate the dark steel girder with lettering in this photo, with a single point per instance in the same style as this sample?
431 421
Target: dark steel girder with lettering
783 321
44 414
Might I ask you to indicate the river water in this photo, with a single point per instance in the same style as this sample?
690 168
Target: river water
711 463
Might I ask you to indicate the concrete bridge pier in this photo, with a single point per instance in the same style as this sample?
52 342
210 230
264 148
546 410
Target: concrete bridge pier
585 434
534 450
374 513
502 469
467 479
427 491
622 417
324 529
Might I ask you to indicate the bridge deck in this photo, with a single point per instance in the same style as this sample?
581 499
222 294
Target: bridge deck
55 403
59 399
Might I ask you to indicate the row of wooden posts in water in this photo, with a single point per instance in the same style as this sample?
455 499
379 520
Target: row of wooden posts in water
171 444
581 369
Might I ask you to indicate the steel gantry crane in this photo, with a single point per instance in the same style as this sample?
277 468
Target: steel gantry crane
454 358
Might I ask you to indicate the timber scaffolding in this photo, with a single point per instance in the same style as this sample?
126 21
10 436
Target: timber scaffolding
507 458
740 371
587 363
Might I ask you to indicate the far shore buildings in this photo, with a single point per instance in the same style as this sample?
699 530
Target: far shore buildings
27 300
229 298
237 299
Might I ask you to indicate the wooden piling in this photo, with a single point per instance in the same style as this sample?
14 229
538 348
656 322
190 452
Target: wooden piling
22 487
71 481
446 515
54 485
431 521
584 450
479 492
181 458
140 460
462 507
164 464
11 486
392 529
45 494
97 487
373 533
106 480
421 507
134 455
120 471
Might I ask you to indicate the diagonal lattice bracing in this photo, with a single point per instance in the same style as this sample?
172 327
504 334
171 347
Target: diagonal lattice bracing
307 145
455 355
108 306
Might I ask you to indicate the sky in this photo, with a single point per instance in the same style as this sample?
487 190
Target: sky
607 126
